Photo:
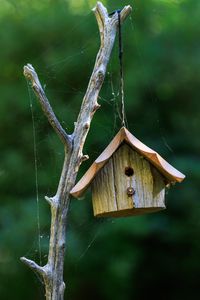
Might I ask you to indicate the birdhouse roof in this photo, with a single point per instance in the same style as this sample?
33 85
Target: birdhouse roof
168 171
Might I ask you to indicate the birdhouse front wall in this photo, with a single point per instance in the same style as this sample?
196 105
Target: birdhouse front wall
127 185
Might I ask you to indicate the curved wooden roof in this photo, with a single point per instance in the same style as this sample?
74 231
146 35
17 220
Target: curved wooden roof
168 171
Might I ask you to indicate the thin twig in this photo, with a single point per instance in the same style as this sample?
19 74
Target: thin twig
33 266
107 28
31 75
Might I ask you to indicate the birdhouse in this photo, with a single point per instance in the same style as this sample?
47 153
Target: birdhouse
127 179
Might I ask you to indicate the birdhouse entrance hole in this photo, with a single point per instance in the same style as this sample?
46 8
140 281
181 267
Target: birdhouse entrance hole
129 171
127 179
127 185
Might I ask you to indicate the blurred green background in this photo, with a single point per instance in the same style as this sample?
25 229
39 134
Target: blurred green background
152 256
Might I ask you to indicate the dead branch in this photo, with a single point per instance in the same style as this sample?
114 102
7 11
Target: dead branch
31 75
52 272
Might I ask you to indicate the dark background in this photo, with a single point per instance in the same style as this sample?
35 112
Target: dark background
152 256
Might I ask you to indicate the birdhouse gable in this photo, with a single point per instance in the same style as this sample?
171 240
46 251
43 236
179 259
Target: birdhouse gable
127 183
126 146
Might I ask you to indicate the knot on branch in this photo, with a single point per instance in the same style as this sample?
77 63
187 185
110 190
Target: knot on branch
34 266
87 125
84 158
96 107
99 80
53 201
30 74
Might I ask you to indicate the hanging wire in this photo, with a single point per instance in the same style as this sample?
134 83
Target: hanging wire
121 89
121 68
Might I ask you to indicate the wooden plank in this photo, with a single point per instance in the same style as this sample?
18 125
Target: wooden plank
122 160
103 192
144 181
141 181
158 189
109 188
168 171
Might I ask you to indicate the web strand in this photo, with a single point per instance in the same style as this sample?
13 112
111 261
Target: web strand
36 174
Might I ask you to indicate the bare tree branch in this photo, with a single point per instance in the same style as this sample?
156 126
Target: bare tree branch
33 266
31 75
107 28
59 204
125 12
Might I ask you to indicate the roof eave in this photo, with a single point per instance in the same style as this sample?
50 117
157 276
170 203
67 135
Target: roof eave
167 170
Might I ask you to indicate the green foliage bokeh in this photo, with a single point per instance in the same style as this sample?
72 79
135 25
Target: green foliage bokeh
154 255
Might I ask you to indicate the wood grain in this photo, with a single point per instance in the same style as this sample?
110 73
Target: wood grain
109 188
103 191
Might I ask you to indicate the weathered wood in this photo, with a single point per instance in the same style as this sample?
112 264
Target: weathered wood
103 191
52 272
121 160
158 188
124 136
31 75
127 169
143 180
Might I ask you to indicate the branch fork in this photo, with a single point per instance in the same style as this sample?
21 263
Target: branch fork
52 272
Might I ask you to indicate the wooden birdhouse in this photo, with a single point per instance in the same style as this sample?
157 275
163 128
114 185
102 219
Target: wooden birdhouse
128 178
